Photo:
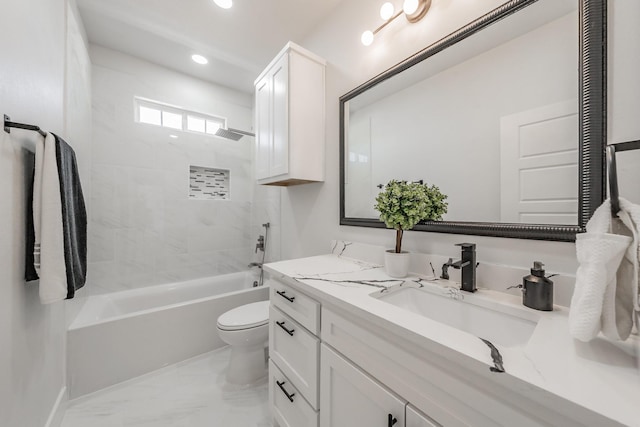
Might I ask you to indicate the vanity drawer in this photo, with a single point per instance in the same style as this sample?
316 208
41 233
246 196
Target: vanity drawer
295 351
288 407
301 308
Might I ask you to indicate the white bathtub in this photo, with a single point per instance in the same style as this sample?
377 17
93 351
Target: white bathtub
121 335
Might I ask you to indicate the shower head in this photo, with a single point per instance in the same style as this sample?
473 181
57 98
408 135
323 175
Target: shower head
233 134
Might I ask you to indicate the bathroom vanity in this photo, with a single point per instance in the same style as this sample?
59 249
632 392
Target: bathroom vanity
350 346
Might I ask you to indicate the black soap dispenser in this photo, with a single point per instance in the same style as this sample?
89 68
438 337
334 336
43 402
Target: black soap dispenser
537 290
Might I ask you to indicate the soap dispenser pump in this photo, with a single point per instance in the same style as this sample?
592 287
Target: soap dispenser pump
537 290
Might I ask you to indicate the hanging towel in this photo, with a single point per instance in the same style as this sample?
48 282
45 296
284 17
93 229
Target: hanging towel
30 269
49 260
606 289
621 301
74 217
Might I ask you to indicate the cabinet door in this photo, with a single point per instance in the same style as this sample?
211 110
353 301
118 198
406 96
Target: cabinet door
416 419
349 397
280 117
263 125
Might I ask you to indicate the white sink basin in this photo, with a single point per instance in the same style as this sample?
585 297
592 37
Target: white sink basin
505 326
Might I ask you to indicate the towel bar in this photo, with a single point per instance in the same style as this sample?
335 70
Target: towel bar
8 124
612 149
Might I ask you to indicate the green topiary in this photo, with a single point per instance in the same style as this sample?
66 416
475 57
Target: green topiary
403 204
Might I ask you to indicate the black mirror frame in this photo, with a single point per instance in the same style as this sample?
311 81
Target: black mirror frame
592 126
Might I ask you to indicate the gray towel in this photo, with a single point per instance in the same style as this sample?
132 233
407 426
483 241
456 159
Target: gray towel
74 217
30 272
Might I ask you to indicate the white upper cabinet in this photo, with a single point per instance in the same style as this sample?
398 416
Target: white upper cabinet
290 119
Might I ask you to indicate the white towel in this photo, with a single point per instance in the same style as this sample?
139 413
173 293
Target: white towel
47 220
606 290
621 301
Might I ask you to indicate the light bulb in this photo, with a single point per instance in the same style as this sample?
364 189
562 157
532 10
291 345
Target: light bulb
225 4
410 6
367 38
199 59
386 11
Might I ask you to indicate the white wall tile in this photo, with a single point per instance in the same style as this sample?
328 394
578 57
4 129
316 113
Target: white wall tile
145 228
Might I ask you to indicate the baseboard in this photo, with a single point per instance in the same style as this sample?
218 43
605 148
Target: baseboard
57 412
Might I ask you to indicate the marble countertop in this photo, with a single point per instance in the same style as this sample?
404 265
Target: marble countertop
601 375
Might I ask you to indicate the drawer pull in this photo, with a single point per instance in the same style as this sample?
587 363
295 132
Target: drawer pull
282 294
289 331
392 420
289 396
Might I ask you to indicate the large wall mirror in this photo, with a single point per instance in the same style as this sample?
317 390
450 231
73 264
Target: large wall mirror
506 116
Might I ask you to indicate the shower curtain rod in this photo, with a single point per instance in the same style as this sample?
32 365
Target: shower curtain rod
8 124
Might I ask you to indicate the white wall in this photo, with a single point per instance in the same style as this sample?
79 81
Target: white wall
77 99
144 230
311 212
32 90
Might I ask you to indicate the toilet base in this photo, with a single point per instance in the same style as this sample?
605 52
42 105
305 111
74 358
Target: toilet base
247 364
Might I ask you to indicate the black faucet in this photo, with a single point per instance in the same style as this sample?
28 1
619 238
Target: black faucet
467 264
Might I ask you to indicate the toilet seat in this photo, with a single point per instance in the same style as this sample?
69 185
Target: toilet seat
247 316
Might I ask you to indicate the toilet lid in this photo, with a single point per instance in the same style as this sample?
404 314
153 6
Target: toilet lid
245 317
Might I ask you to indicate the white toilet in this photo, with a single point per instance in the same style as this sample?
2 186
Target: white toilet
246 330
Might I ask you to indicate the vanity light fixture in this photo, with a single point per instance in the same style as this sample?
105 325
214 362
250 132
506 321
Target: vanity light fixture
414 10
199 59
387 10
225 4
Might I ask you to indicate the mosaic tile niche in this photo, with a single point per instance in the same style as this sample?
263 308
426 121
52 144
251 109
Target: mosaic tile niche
208 183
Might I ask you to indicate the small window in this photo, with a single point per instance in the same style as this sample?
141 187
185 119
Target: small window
150 116
155 113
172 120
195 124
212 127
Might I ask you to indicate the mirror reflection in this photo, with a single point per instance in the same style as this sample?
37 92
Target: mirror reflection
496 131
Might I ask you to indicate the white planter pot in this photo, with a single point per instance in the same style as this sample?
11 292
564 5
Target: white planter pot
396 265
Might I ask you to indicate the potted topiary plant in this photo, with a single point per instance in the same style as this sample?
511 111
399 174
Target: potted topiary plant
402 205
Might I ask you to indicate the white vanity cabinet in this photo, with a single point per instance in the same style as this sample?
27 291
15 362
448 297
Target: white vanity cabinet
350 397
294 352
416 419
311 382
290 119
353 360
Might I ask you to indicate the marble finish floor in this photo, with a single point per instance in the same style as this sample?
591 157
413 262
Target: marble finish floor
189 394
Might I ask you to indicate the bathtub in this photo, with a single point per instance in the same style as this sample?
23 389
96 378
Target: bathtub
125 334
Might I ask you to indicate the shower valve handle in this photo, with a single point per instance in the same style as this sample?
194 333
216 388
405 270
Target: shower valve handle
260 244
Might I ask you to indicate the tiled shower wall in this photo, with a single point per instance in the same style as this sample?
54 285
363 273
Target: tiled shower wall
144 228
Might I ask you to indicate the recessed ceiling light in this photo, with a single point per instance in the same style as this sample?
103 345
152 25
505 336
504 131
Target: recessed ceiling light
225 4
199 59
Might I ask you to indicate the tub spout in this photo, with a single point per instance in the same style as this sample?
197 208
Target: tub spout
255 264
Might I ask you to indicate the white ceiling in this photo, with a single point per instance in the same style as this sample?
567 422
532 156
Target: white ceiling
239 42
